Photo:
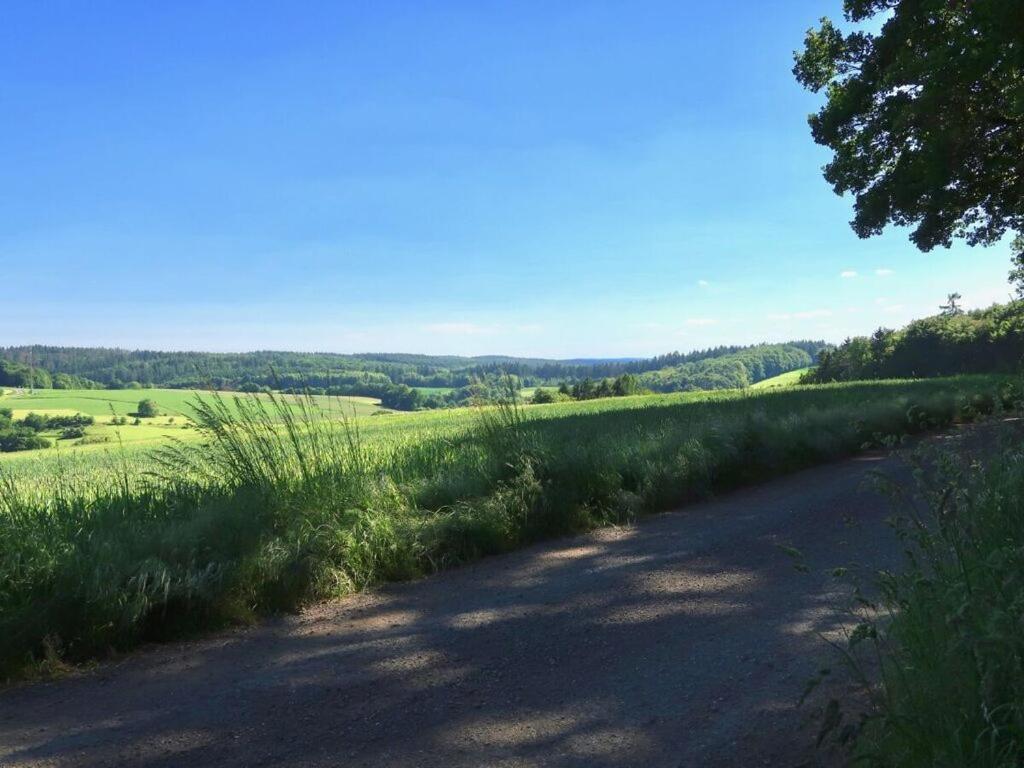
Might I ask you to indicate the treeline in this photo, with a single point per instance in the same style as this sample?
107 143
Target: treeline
953 342
119 368
14 374
734 370
588 389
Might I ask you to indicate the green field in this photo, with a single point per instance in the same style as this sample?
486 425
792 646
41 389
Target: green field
175 406
426 391
787 379
103 549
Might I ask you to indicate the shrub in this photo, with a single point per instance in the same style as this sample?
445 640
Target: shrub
147 409
950 687
21 439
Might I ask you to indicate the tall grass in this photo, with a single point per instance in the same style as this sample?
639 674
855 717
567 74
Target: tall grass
945 668
285 500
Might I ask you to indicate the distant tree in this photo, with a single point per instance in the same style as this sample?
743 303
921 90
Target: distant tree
952 305
925 117
542 396
147 409
626 384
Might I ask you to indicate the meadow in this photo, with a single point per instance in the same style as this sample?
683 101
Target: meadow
283 501
104 406
788 379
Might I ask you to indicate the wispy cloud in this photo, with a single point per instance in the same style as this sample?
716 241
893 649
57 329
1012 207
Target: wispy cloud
703 284
805 315
883 272
458 329
848 274
700 322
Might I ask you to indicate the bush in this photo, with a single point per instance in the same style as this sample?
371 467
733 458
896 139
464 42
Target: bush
40 423
72 433
21 439
147 409
950 688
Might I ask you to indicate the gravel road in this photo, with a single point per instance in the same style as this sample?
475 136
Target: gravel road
685 640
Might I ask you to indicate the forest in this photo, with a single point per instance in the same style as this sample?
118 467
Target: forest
396 379
952 342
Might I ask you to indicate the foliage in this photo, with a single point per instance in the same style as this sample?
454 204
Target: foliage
982 341
950 686
925 117
17 374
1017 273
38 422
735 370
147 409
21 439
388 377
280 502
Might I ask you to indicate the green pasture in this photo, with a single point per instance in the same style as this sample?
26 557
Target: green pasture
104 405
787 379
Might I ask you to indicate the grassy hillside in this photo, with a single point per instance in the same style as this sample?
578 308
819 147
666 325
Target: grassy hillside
276 506
787 379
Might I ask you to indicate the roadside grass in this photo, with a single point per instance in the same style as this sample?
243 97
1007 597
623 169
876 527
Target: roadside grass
284 501
941 654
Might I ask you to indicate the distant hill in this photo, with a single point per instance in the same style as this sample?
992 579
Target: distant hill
741 368
394 377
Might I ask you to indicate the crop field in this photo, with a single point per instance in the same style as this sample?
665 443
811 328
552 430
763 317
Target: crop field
172 423
275 503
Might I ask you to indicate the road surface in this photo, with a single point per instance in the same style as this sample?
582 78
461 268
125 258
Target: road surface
684 640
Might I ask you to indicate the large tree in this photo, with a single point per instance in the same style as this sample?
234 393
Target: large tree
925 116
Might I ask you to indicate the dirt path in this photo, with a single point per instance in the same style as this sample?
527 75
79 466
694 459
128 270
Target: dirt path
683 641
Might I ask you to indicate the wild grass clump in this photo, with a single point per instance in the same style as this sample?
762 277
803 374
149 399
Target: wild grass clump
945 672
286 500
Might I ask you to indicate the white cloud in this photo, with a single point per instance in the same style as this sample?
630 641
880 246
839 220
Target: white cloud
703 284
883 272
846 274
881 300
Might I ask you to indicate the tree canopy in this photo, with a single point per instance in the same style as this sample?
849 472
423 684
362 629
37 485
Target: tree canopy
982 341
925 117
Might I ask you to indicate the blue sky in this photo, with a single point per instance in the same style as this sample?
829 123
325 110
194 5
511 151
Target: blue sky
551 179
